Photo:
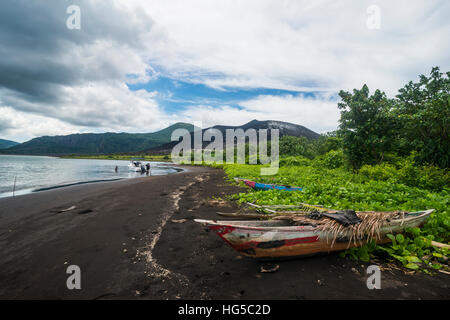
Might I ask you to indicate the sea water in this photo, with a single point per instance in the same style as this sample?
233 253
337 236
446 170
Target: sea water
34 173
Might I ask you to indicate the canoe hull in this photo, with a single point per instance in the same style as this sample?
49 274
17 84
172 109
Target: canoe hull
266 186
262 241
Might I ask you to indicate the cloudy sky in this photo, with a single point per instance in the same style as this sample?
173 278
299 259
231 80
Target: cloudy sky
139 66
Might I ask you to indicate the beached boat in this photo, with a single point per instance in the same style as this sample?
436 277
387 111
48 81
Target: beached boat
267 186
272 239
137 166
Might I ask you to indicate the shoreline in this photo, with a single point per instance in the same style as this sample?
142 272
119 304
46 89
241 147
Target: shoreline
93 157
26 191
136 239
63 193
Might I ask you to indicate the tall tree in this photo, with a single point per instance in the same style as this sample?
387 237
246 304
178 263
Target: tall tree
423 108
366 126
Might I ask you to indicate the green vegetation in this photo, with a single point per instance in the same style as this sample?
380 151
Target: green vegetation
375 188
375 129
366 126
4 144
417 120
144 157
97 144
388 155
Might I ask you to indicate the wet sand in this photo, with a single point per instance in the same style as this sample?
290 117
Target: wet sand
135 239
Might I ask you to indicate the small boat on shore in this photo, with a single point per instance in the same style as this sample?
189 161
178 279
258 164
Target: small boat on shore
138 166
267 186
280 238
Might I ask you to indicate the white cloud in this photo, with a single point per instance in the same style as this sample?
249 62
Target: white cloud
23 126
296 44
319 114
110 106
89 108
75 81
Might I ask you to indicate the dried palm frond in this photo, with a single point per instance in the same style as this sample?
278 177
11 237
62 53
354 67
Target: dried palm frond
369 228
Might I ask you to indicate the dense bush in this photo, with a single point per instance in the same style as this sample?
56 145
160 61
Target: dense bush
423 112
408 173
300 146
297 146
294 161
366 126
381 172
331 160
417 120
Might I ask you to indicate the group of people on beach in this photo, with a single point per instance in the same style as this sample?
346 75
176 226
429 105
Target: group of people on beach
145 168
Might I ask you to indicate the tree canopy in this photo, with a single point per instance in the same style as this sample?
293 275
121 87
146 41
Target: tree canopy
417 120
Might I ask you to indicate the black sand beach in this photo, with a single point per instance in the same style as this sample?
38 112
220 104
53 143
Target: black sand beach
135 239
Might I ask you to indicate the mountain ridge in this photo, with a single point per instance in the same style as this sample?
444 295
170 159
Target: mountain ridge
134 143
285 129
5 144
95 143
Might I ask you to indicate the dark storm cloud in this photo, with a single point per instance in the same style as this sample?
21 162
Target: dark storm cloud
39 54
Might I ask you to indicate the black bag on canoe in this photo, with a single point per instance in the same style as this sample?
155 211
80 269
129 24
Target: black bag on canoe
344 217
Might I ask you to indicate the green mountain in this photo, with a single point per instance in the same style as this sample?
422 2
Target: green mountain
284 129
4 144
96 143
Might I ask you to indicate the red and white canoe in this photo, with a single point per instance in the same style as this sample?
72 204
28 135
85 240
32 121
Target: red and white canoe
277 239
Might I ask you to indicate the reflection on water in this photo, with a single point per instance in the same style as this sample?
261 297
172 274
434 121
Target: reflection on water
36 172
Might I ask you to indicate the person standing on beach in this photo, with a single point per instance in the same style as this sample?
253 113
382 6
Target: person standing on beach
116 169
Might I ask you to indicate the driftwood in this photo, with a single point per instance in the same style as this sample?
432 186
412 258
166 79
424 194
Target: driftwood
439 245
260 207
246 215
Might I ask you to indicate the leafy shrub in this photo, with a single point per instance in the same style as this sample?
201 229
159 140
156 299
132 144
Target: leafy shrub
381 172
297 146
408 173
426 177
294 161
333 159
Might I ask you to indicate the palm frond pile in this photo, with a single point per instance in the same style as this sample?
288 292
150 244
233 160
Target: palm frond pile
368 228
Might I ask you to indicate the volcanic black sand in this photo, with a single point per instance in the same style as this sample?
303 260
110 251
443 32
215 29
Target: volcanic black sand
135 239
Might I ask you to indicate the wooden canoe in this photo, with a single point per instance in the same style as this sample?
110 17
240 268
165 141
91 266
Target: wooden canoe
267 186
240 215
275 239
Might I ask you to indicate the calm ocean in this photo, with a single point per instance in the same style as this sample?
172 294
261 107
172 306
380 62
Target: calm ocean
35 172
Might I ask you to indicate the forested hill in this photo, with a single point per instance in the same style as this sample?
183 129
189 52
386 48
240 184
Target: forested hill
96 143
285 129
109 143
4 144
